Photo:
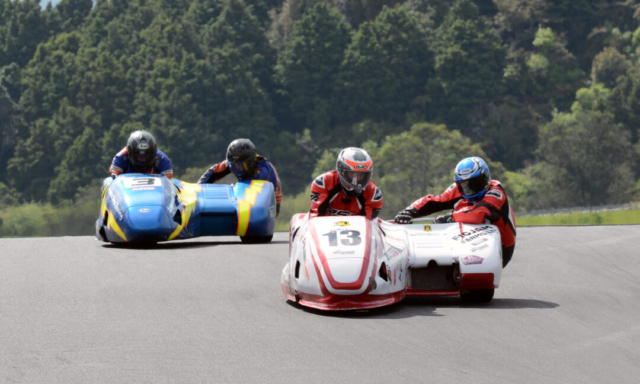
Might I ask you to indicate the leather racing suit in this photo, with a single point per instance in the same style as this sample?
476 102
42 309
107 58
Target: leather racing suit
492 209
328 198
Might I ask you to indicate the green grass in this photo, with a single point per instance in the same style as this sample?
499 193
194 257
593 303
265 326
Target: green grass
630 216
291 205
44 220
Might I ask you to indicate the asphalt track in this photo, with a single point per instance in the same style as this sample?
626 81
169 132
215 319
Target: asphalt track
211 311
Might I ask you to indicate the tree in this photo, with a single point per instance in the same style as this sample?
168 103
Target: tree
308 66
386 67
470 61
10 125
72 13
608 66
241 61
510 134
518 20
22 27
238 27
554 70
624 102
592 155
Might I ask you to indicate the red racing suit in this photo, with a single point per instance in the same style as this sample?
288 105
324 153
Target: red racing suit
328 198
492 209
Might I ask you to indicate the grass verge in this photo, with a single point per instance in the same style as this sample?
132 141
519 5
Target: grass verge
630 216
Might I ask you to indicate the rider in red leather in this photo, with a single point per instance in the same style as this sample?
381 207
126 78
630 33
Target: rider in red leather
474 199
348 190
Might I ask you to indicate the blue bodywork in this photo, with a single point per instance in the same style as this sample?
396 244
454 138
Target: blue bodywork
138 208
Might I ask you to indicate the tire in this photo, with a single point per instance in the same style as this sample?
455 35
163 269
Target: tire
256 239
477 295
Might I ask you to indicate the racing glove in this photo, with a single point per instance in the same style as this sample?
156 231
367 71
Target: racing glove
405 216
443 219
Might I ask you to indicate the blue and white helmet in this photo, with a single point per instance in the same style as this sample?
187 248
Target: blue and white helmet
472 178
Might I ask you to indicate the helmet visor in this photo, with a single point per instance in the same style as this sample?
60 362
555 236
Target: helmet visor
143 158
355 180
242 168
472 186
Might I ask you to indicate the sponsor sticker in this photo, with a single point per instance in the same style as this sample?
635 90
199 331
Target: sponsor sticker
474 234
479 241
144 210
427 228
143 188
341 252
341 224
272 211
472 259
116 204
475 249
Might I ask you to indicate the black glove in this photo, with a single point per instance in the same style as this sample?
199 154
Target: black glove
405 216
444 219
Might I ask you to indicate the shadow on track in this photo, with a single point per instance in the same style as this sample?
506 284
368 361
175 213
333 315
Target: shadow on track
185 245
426 306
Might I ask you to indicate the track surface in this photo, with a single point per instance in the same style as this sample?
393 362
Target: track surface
210 310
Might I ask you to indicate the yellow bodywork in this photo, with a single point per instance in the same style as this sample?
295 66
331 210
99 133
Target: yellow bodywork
188 195
244 205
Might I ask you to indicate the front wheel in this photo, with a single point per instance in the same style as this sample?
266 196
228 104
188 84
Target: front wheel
256 239
477 295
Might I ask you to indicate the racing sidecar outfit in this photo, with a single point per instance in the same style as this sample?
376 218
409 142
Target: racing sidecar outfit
492 209
264 171
121 164
329 198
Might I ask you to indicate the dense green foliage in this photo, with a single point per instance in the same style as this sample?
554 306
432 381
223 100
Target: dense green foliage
548 91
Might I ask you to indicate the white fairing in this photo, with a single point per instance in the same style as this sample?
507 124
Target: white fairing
475 247
351 262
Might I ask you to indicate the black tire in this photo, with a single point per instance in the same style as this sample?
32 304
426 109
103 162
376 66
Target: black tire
477 295
256 239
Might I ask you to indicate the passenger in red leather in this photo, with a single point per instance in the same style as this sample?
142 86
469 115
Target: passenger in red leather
474 199
348 190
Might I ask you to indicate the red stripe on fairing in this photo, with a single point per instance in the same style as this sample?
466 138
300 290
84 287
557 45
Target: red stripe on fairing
353 286
339 302
425 292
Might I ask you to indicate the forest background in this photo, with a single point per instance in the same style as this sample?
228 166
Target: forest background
547 91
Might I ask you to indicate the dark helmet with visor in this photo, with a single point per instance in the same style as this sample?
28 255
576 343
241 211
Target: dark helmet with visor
242 157
472 178
354 165
142 149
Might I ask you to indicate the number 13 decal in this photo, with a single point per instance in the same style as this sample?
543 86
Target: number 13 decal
349 238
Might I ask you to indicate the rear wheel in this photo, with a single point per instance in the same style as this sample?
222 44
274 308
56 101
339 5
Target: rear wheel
256 239
477 295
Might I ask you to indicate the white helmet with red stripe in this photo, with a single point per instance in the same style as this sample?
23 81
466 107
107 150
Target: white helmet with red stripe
354 165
